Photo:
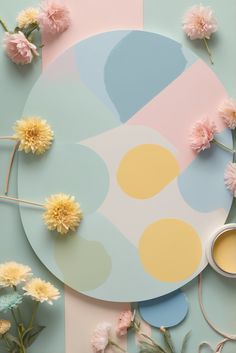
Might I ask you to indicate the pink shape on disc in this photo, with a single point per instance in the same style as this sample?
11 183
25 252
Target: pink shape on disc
194 95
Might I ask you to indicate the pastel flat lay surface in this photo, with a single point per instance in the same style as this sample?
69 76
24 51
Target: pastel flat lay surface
147 177
70 324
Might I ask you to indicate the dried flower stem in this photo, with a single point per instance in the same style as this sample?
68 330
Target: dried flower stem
34 313
221 145
208 50
8 138
8 198
117 346
4 26
10 166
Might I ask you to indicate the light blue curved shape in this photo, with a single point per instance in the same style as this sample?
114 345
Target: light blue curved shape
168 310
140 67
202 183
69 168
91 56
72 110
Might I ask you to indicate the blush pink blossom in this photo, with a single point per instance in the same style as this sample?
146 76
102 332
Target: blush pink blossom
230 178
203 132
19 49
199 22
124 322
54 17
100 337
227 111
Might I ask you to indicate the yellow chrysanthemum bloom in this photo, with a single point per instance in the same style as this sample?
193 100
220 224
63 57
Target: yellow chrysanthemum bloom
34 135
12 273
5 326
62 213
27 17
41 291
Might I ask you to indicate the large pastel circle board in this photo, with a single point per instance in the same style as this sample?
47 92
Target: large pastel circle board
121 105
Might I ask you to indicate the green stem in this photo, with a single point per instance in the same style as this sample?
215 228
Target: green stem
117 346
4 26
208 50
232 212
152 341
14 317
6 342
221 145
33 28
36 306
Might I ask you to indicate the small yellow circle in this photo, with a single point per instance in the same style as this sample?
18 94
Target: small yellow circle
145 170
170 250
224 251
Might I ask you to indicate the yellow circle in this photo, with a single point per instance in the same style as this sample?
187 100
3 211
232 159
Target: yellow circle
224 251
170 250
145 170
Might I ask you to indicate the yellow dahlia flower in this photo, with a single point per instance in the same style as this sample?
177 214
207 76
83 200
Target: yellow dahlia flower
27 17
5 326
41 291
12 273
34 135
62 213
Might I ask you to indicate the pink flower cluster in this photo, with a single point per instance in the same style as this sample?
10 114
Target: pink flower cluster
202 135
54 18
199 22
101 336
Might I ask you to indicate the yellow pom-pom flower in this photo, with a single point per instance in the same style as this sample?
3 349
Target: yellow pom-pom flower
34 135
62 214
41 291
12 273
27 17
5 326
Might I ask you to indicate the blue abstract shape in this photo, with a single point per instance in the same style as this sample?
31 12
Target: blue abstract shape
168 310
140 67
202 183
91 56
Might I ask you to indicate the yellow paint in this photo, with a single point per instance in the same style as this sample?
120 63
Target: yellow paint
224 251
170 250
145 170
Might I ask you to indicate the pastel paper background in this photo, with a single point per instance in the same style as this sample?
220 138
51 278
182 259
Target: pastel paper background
15 84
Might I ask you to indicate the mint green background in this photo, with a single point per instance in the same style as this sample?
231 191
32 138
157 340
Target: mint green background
162 16
15 85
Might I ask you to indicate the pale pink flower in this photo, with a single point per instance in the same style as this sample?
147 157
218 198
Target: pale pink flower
124 322
19 49
199 22
100 337
54 17
230 178
202 134
227 111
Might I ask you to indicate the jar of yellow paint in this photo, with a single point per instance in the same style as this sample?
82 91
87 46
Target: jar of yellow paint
221 250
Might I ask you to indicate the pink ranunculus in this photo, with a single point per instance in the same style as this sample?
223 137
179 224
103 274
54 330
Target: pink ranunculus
227 112
203 132
54 17
100 337
19 49
230 178
124 322
199 22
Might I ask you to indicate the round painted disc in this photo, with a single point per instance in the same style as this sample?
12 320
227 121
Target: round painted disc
121 105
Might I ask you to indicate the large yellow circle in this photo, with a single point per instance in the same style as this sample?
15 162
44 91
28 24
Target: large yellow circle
145 170
170 250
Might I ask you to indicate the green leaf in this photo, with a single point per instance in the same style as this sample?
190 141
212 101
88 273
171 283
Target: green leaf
31 335
168 341
150 348
185 342
13 339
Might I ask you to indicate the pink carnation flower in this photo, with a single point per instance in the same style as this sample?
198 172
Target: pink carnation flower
19 49
230 178
54 17
203 132
227 111
100 337
199 22
124 322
